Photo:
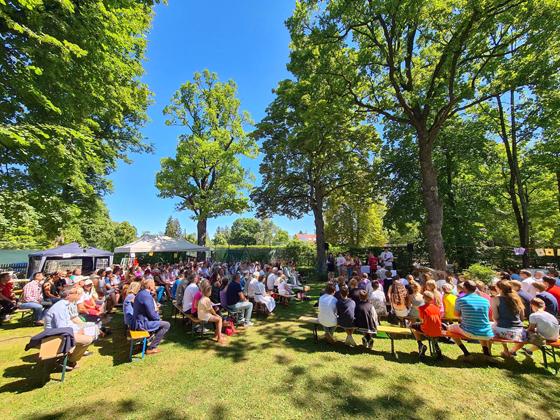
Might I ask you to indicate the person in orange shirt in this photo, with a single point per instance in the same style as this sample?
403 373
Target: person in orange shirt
430 325
552 288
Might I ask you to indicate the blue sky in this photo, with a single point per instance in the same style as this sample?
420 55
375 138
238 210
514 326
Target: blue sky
243 40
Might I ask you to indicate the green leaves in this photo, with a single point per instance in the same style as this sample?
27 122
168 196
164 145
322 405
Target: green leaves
206 173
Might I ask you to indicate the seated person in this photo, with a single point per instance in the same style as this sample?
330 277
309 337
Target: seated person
87 305
345 310
32 298
507 311
353 290
328 314
554 290
429 325
59 316
237 302
50 291
190 291
7 296
377 299
216 289
261 296
197 296
284 289
543 327
112 290
415 300
449 300
206 311
473 310
146 317
365 318
524 296
398 298
550 302
128 303
252 286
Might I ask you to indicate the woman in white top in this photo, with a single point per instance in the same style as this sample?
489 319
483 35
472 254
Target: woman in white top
284 289
252 285
261 296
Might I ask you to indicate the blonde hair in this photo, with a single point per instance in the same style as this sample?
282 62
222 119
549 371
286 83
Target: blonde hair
133 288
431 286
147 284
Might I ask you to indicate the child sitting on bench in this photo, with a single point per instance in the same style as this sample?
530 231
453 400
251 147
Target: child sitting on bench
365 318
327 312
542 327
430 325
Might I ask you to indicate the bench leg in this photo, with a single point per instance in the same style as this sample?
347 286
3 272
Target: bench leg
131 349
315 333
64 364
392 346
144 344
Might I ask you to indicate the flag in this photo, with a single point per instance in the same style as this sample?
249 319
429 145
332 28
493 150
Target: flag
540 252
549 252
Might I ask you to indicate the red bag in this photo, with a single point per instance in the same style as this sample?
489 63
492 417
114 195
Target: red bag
229 328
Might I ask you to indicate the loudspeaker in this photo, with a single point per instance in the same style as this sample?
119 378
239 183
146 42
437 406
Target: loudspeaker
410 247
327 245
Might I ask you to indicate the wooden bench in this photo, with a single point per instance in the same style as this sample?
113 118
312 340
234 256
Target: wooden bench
315 323
24 312
137 337
392 332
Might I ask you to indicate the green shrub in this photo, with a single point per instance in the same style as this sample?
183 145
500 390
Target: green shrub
480 272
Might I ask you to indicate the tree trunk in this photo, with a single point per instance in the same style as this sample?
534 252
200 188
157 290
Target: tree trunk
320 237
432 203
201 237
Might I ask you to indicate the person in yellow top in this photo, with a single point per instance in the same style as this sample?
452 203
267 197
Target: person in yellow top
448 302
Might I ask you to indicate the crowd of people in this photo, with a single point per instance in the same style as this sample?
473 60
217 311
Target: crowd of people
68 299
355 298
430 302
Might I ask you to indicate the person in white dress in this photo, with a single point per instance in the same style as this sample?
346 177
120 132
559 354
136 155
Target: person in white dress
284 289
261 296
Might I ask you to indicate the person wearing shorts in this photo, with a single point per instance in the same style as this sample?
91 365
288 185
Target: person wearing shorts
206 312
543 327
475 320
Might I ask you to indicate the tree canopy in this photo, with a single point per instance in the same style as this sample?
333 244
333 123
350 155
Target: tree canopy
206 174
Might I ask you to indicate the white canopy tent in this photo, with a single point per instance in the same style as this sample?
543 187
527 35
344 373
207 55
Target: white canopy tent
159 243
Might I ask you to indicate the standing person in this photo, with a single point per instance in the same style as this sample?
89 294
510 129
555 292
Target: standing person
328 315
473 310
345 310
61 316
349 263
365 318
146 317
7 296
237 302
340 263
207 313
331 266
543 327
429 325
373 261
386 258
507 310
32 298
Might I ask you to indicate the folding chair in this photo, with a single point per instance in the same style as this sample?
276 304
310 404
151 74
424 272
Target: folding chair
49 350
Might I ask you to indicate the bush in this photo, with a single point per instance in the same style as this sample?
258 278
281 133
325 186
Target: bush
480 272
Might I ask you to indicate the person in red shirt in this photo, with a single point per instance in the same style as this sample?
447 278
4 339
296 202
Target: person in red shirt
372 262
7 297
552 288
430 325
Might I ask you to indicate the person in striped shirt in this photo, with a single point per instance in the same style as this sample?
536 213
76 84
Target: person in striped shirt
33 298
473 310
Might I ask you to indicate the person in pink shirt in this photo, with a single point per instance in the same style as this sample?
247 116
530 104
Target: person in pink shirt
198 295
32 298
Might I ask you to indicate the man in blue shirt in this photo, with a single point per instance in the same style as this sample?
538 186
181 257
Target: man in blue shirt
474 312
237 302
58 316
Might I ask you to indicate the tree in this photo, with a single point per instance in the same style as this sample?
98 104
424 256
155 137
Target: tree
72 100
244 231
206 174
354 222
418 63
221 236
314 146
173 228
124 233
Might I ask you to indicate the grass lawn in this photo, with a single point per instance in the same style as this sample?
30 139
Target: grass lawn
272 370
